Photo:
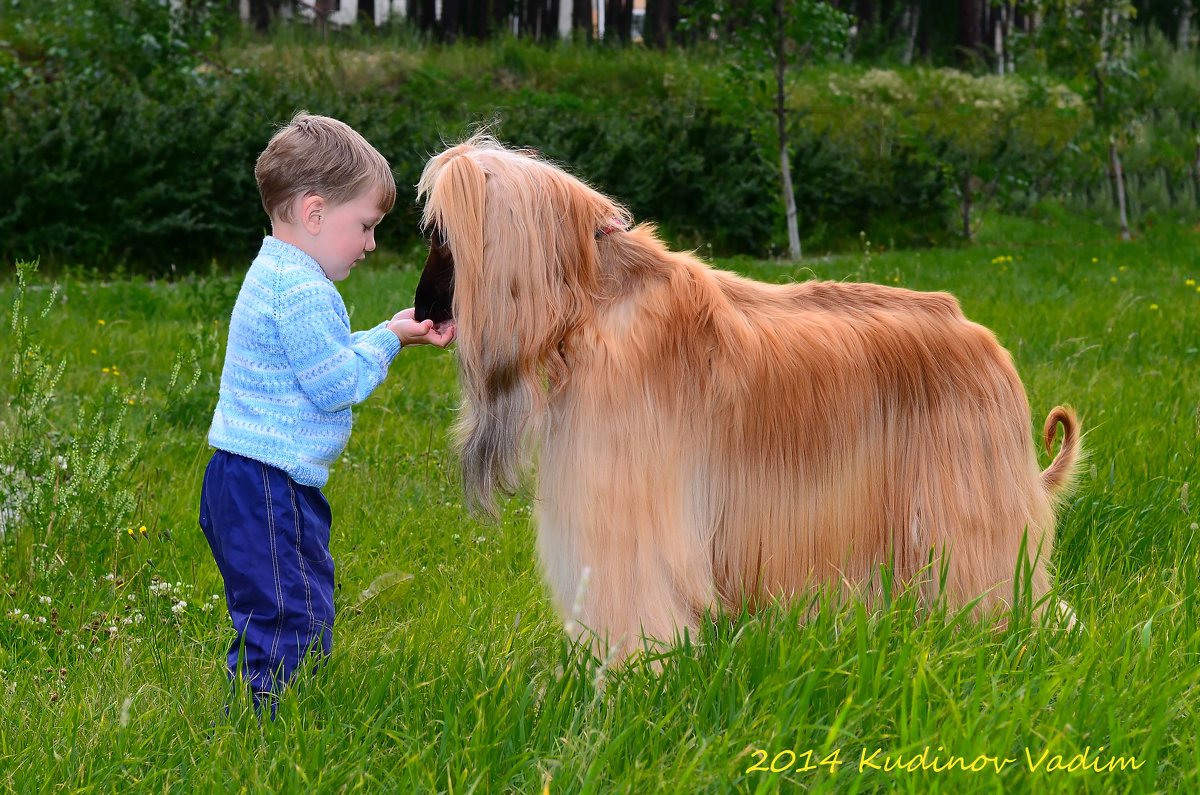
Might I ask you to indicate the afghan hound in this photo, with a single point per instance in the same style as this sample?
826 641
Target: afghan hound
703 441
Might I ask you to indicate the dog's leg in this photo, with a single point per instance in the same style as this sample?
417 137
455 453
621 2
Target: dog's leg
621 518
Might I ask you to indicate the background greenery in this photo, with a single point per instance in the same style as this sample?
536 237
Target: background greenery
129 134
450 672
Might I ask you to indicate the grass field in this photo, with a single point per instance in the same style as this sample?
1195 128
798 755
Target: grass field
450 672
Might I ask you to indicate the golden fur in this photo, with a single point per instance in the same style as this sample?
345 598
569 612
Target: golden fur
706 441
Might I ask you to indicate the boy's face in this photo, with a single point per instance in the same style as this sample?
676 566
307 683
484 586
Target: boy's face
345 233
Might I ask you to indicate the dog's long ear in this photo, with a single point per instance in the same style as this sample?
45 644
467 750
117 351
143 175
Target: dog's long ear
490 425
522 235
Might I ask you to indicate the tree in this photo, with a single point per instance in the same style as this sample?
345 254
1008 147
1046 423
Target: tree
662 17
774 35
1091 39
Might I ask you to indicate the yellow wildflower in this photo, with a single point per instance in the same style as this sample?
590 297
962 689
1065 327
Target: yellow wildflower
1153 307
1112 279
101 322
1190 282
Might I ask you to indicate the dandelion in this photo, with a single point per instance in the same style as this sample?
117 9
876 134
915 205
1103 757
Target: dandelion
129 401
1123 268
1190 282
1095 260
101 322
129 530
104 370
1153 307
1112 279
94 351
141 529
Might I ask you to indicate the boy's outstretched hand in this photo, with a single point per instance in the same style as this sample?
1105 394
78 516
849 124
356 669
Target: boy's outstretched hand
410 332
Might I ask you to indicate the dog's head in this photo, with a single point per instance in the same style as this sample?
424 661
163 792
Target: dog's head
513 261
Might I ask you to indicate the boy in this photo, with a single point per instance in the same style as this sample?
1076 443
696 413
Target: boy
292 371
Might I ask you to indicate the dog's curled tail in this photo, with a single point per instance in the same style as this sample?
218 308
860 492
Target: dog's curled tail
1058 476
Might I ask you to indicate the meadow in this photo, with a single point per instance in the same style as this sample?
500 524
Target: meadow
450 671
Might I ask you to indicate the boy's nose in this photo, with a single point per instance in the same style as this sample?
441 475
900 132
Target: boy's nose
371 242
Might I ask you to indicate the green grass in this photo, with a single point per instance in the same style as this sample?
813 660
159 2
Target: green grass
454 676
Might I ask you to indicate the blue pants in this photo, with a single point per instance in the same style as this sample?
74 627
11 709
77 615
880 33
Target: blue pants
270 538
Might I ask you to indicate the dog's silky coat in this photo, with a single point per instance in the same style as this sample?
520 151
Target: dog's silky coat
705 441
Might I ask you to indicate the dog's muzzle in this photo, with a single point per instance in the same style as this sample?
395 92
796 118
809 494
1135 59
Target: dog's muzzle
435 291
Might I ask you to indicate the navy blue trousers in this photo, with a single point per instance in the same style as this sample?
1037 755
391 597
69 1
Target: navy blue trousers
270 538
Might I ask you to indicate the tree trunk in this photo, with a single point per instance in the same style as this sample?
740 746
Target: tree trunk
260 15
581 18
998 39
1183 38
970 28
911 23
553 14
661 17
618 20
428 15
450 20
1118 178
1196 169
321 11
785 166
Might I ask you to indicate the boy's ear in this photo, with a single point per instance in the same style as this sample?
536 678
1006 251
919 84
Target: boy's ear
312 212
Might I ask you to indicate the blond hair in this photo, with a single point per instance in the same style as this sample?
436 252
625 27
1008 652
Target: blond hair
317 155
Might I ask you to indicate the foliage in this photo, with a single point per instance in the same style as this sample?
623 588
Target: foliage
812 30
65 488
120 158
90 42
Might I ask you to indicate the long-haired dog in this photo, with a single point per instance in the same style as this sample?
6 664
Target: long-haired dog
705 441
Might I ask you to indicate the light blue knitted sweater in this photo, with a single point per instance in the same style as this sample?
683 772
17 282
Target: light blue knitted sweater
292 367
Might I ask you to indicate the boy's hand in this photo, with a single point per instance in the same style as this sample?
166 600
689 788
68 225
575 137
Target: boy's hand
410 332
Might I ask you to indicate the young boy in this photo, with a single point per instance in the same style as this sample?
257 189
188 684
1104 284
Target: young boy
292 371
